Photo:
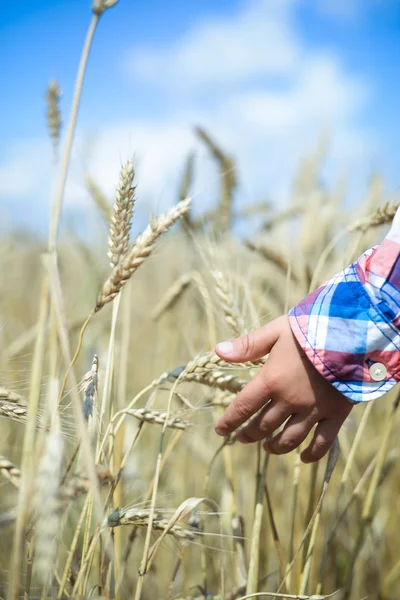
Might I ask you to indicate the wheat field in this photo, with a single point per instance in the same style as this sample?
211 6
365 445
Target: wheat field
113 481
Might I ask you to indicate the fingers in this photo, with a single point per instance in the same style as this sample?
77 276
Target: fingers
264 424
291 436
251 346
246 404
324 436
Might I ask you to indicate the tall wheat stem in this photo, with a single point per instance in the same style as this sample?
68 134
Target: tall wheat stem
58 200
27 463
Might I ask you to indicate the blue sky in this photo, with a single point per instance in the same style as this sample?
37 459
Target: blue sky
266 77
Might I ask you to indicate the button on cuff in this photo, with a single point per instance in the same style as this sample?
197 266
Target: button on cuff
378 371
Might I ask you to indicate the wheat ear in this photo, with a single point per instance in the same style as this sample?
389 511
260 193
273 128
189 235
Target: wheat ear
224 213
121 220
46 502
140 518
381 216
13 406
228 304
53 113
272 256
172 295
98 197
138 254
10 471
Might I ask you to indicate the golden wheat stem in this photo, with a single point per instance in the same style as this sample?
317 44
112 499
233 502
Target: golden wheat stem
28 454
75 357
252 581
58 200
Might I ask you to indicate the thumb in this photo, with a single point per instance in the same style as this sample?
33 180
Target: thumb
254 345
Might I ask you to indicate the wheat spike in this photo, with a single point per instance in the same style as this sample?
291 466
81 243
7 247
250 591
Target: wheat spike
89 387
10 471
212 378
138 254
185 190
283 216
228 303
46 502
99 198
140 518
228 181
13 406
53 113
172 296
99 6
272 256
153 416
383 215
121 220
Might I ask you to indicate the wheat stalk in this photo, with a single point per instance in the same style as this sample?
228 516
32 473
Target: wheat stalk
138 254
118 239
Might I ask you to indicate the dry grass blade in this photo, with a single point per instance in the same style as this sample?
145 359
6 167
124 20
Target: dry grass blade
138 254
121 220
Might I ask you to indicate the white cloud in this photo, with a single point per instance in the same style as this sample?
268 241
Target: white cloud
255 41
268 97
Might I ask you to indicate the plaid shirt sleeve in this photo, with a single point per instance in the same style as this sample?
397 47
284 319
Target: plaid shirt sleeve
350 326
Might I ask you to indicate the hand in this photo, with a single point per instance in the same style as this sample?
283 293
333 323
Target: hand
288 389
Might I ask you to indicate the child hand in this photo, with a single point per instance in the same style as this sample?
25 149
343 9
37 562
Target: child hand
288 389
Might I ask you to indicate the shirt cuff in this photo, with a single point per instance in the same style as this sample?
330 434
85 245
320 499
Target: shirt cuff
349 330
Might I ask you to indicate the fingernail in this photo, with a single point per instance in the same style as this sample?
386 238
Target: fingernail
219 430
225 347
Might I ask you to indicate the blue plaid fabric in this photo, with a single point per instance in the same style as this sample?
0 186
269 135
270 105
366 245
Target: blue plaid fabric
350 327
